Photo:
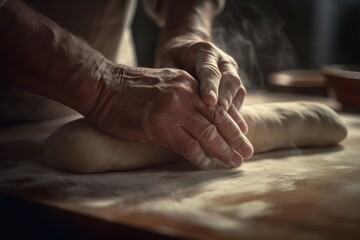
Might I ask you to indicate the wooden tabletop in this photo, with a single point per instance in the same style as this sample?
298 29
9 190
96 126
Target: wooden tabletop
309 193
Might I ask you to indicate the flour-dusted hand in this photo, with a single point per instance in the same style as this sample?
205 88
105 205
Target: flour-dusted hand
162 107
213 68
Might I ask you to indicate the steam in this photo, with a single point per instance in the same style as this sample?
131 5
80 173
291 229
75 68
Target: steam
252 34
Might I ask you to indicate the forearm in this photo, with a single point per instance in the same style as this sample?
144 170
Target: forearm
189 17
52 62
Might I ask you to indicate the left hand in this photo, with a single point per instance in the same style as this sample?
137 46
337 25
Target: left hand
213 68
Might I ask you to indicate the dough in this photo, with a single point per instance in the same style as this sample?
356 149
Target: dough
79 147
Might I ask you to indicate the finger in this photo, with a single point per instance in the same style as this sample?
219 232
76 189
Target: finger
228 129
211 141
239 97
188 147
208 74
219 164
236 116
230 83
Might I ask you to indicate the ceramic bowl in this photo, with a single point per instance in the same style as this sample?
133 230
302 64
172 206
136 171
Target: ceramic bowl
344 84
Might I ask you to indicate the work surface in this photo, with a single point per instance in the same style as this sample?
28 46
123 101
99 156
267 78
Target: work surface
311 193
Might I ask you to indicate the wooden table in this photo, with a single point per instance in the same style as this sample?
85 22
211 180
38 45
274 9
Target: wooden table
311 193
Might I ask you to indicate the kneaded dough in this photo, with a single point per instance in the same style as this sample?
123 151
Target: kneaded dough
79 147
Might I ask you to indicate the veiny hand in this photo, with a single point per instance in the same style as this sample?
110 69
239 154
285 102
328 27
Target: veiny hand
214 69
163 107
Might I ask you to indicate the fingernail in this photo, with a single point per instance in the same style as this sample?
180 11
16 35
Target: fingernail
206 163
236 161
217 164
247 150
213 164
213 94
225 103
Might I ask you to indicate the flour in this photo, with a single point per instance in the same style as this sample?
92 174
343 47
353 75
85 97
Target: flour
246 210
224 201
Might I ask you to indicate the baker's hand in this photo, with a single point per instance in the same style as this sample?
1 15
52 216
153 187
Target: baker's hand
214 69
163 107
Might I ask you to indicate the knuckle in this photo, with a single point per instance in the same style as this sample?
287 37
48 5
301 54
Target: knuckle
207 49
182 91
233 62
168 71
191 149
236 138
219 115
185 79
184 74
226 150
228 63
171 100
209 133
205 46
209 70
236 80
231 80
242 91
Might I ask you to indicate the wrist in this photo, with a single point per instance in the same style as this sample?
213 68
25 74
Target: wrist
189 18
107 79
83 87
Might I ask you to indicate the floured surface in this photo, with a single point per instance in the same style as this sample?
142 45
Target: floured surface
297 193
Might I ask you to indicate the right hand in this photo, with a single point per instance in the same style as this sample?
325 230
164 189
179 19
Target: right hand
163 107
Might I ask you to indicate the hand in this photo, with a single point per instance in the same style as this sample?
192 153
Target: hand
214 69
162 107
